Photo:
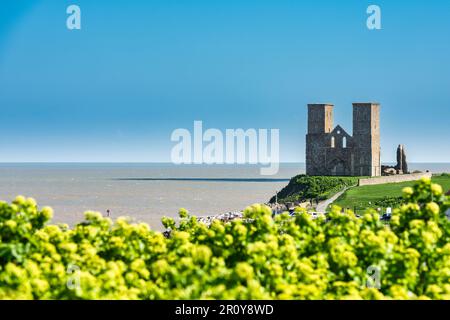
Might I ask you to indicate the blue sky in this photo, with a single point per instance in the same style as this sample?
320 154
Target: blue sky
115 90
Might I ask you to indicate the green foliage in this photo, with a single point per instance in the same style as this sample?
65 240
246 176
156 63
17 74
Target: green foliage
360 206
392 202
303 188
258 257
382 195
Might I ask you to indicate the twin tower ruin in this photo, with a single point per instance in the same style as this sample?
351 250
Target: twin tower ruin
333 152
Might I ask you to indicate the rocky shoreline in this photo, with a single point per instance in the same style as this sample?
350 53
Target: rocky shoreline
224 217
229 216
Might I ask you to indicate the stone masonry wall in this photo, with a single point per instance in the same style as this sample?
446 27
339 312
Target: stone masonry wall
394 179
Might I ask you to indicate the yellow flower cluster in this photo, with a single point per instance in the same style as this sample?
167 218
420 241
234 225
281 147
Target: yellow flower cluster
339 256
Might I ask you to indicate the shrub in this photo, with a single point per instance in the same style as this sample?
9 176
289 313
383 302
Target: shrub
389 202
258 257
303 188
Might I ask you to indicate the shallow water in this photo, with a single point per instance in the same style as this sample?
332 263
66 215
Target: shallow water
145 192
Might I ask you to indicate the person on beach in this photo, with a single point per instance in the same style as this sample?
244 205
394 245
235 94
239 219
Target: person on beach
108 213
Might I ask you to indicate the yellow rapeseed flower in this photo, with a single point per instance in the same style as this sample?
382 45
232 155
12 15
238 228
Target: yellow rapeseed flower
436 189
407 191
432 207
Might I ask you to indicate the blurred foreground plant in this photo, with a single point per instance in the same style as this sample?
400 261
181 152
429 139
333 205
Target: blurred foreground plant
258 257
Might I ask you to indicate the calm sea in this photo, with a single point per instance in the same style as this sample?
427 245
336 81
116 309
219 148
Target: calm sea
147 192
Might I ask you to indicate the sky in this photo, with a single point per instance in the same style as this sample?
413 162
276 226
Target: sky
115 90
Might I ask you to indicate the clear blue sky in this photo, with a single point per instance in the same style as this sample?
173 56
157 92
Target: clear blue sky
137 70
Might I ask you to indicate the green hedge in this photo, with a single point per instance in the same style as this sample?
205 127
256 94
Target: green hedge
304 188
259 257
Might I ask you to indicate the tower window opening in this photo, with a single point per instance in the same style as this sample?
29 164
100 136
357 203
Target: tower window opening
344 142
332 142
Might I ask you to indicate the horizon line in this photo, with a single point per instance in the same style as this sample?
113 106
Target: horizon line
182 164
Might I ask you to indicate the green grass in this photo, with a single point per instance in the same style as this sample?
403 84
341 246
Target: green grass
303 188
382 195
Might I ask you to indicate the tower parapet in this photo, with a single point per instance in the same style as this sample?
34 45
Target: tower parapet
320 118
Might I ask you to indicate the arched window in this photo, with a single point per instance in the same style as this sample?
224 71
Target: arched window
344 142
332 142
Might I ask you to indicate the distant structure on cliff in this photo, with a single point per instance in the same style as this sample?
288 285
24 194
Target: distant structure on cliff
333 152
402 165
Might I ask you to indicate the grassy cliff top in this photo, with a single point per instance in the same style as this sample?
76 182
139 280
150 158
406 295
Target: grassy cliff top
303 188
382 195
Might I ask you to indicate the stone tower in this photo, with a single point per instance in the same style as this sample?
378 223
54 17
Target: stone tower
402 165
366 139
320 123
320 118
332 151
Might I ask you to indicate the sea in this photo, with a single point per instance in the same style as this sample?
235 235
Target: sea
146 192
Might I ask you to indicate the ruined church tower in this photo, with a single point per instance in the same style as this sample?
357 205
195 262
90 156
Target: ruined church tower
366 138
320 124
332 151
